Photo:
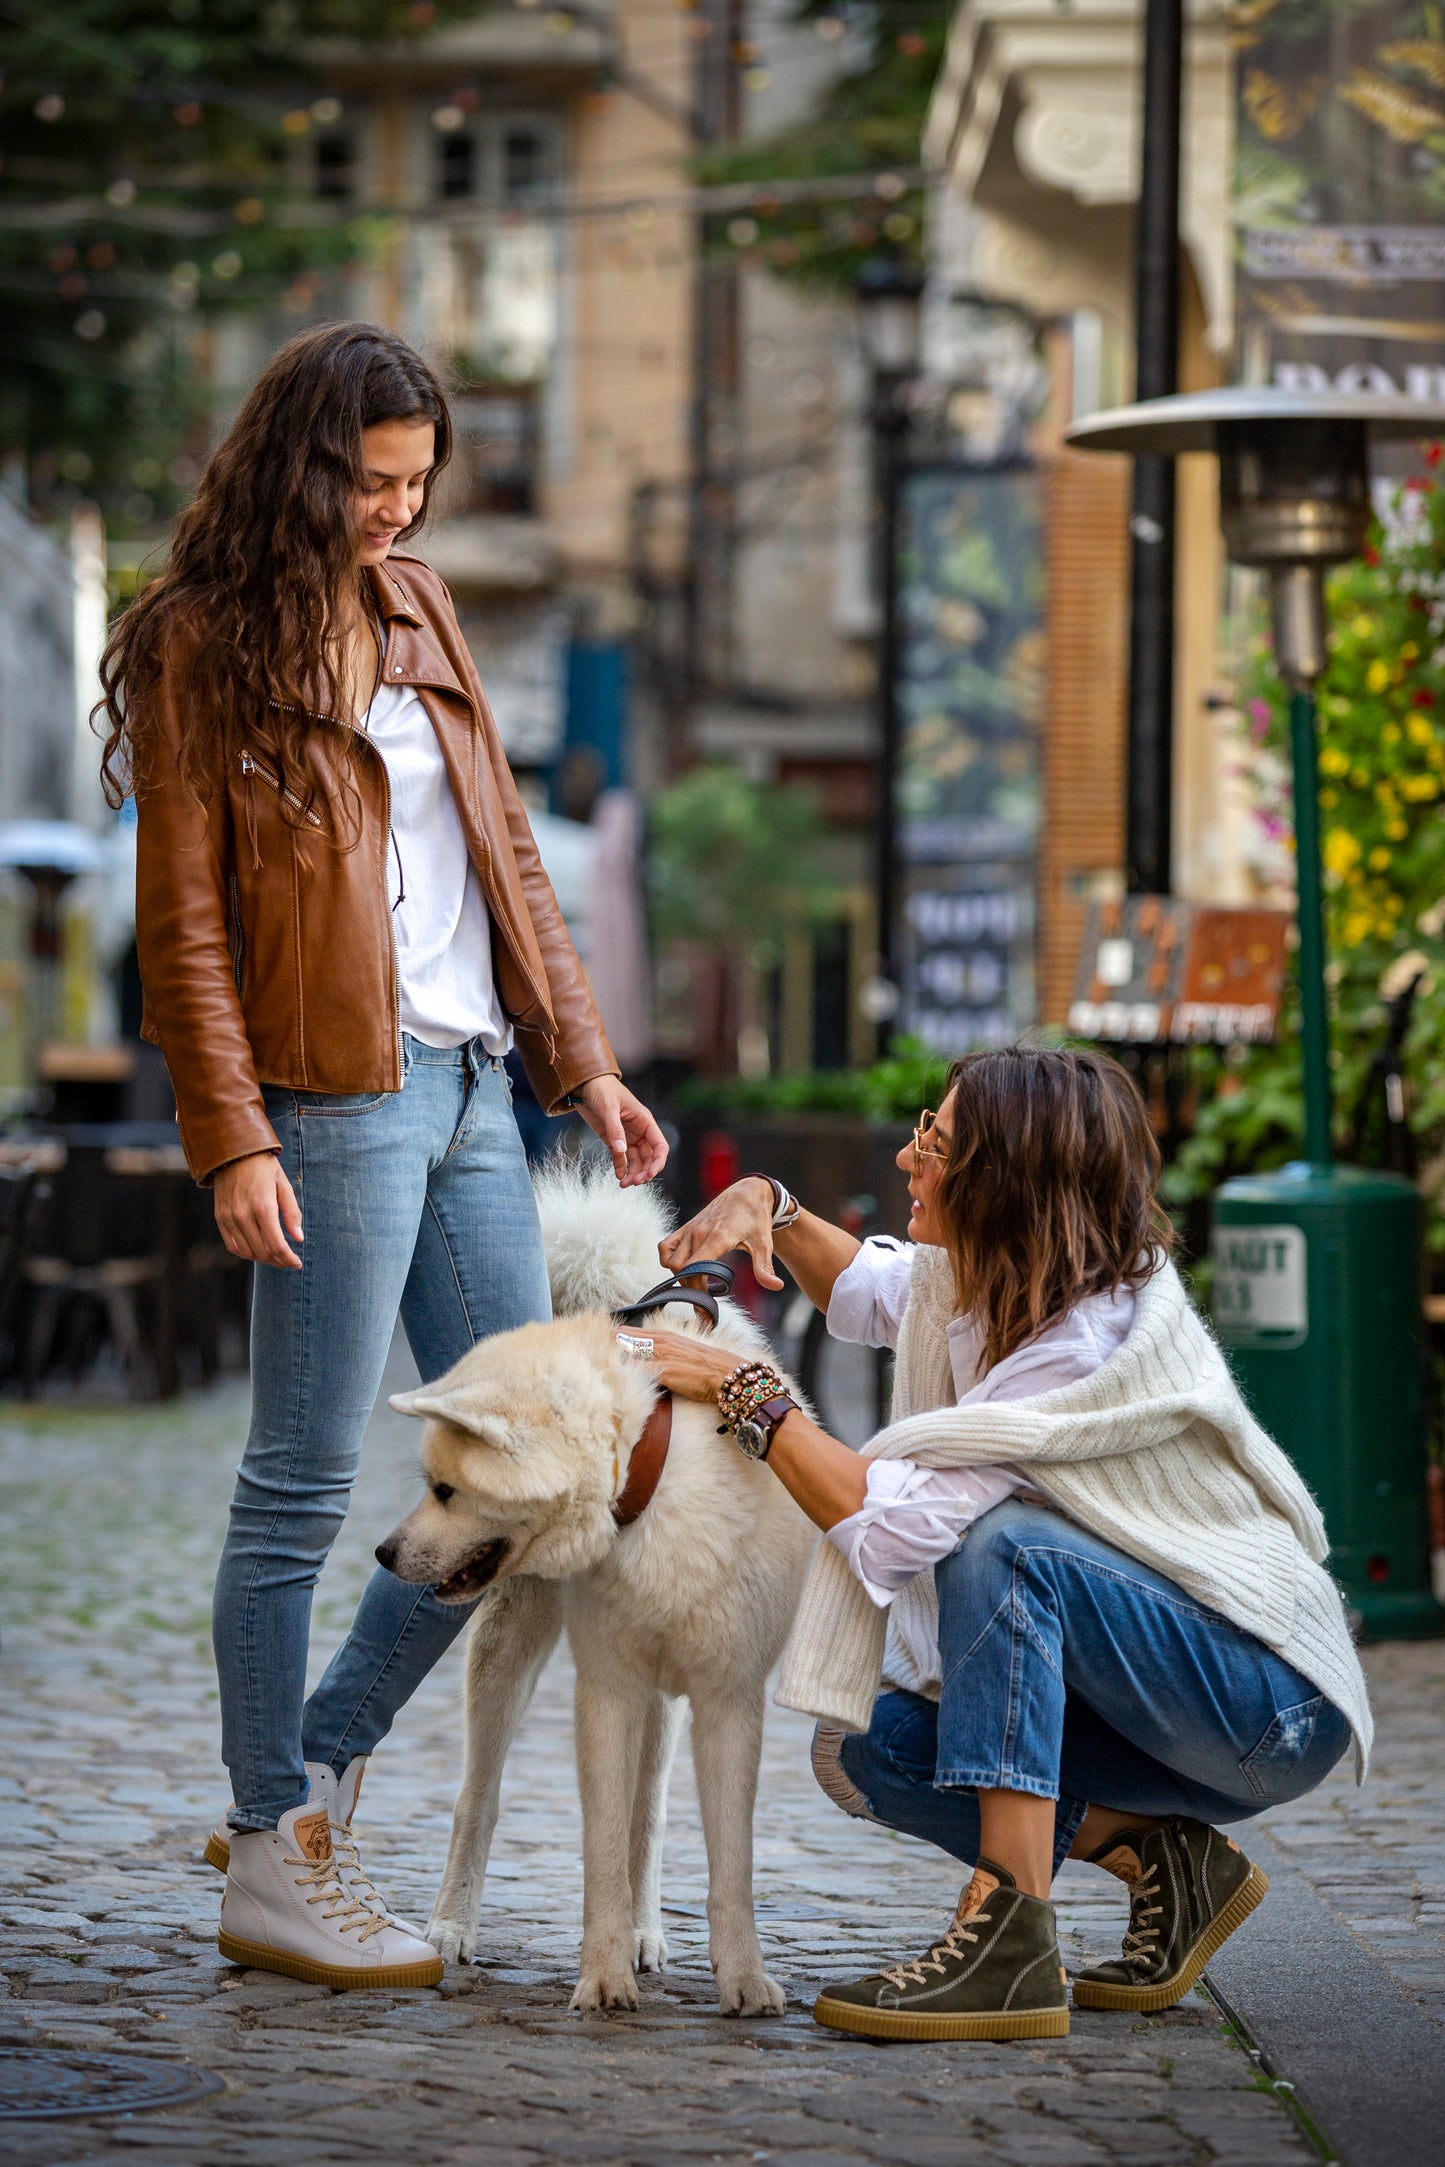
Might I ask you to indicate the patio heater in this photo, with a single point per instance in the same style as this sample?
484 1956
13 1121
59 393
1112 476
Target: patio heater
1317 1267
48 855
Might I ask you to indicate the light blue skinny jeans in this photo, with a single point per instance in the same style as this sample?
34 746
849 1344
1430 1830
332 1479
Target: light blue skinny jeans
415 1203
1071 1671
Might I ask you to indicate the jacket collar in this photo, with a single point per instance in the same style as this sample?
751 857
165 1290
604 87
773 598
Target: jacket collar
414 656
391 596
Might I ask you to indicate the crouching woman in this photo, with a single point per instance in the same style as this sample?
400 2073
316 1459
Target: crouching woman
1091 1588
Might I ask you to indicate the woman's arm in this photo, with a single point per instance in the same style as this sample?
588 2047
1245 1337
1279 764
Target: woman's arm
815 1251
183 861
828 1480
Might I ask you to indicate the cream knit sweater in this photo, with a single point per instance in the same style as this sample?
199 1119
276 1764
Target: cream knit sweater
1156 1452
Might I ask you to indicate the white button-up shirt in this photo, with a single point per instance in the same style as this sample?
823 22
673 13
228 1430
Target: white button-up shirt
912 1516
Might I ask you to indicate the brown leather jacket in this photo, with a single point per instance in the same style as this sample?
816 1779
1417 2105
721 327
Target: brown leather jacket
266 951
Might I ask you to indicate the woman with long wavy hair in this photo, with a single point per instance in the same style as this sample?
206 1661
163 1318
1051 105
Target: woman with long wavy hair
343 926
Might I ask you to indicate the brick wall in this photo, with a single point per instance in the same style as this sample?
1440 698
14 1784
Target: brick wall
1082 838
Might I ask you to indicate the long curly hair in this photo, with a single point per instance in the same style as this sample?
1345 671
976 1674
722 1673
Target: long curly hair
1049 1190
262 576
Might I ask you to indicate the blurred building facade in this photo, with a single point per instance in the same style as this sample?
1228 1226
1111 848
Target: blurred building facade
1034 137
657 514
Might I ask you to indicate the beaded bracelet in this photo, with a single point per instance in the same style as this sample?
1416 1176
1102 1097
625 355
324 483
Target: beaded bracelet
744 1389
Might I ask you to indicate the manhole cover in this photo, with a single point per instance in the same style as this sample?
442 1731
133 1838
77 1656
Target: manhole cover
36 2084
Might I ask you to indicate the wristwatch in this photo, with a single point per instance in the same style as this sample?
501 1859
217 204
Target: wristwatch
755 1433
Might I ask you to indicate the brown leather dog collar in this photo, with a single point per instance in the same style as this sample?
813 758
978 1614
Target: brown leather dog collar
644 1469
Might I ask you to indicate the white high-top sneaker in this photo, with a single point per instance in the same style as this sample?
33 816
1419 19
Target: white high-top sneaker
287 1908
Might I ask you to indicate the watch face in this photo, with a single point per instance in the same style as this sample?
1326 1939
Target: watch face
750 1438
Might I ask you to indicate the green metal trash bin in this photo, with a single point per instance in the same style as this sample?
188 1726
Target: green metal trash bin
1317 1301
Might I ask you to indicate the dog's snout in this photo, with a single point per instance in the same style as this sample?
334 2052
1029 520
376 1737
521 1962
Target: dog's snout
386 1555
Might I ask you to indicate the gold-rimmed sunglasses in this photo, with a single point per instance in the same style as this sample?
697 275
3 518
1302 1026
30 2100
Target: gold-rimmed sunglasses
927 1124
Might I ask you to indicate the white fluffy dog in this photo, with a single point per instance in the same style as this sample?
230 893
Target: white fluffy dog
527 1444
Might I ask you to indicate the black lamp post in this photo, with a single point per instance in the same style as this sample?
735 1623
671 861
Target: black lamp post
1317 1267
889 292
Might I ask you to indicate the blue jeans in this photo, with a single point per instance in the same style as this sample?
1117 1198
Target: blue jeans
415 1202
1072 1672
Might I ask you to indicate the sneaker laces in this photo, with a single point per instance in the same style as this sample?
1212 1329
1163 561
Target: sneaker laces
353 1910
347 1854
939 1957
1139 1943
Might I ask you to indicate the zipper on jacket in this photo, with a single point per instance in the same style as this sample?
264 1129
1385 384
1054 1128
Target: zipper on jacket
251 766
238 954
385 886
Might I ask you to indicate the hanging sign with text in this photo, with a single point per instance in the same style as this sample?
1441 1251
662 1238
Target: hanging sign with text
1157 971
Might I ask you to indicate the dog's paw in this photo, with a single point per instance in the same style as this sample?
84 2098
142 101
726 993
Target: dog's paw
749 1994
604 1989
453 1942
649 1949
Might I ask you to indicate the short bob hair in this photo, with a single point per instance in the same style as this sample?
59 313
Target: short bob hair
1048 1193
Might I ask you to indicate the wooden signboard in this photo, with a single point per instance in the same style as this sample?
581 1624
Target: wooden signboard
1157 971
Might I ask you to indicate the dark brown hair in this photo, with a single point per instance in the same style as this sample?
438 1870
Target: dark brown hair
1048 1193
262 568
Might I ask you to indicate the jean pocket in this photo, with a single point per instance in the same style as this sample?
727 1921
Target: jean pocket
1282 1748
338 1104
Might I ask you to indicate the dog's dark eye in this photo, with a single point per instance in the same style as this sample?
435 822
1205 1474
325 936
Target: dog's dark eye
441 1491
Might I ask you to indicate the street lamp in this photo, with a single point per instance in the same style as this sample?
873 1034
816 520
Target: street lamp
1317 1286
889 293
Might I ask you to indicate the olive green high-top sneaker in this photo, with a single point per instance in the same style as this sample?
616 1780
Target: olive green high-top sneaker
996 1974
1189 1887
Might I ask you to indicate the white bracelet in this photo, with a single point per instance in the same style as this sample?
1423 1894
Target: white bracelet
786 1207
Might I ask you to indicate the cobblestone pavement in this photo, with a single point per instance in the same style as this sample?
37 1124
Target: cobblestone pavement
111 1780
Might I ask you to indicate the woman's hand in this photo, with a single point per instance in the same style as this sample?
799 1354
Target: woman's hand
256 1209
637 1144
691 1367
741 1218
828 1480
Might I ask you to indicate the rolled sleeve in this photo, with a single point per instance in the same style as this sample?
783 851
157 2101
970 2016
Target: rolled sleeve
911 1518
869 1298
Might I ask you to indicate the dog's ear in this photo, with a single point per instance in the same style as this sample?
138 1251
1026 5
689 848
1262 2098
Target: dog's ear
453 1404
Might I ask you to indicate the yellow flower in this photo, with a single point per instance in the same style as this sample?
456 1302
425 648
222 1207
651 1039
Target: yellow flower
1397 829
1333 761
1409 652
1436 756
1356 927
1379 858
1390 735
1419 730
1329 799
1360 778
1363 627
1377 676
1419 788
1341 852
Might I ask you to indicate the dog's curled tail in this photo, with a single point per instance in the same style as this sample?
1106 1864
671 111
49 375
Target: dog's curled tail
601 1241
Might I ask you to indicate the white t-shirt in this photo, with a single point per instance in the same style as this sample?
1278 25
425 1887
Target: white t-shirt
912 1516
446 993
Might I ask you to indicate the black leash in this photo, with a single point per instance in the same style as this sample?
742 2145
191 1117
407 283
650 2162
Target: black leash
717 1279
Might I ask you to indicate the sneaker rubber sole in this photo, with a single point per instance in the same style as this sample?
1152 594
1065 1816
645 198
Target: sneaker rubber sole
349 1978
217 1852
1100 1994
847 2016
